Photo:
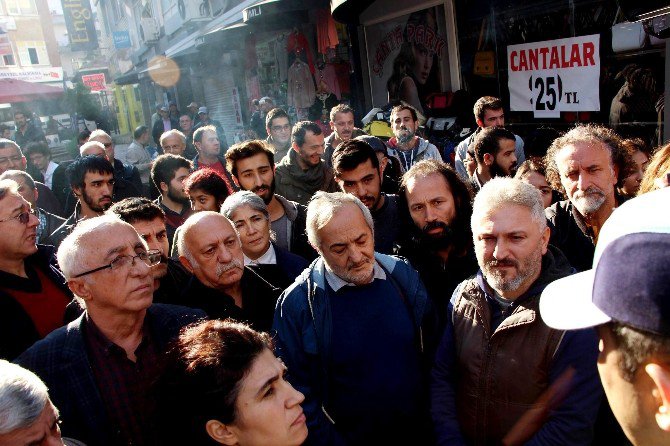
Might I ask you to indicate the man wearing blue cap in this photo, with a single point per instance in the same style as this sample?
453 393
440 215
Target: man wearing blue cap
627 297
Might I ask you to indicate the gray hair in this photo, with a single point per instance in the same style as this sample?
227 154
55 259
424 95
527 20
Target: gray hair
503 191
244 198
8 186
322 208
14 174
97 133
88 144
23 397
173 132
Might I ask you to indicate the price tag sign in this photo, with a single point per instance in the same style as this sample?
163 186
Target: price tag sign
555 75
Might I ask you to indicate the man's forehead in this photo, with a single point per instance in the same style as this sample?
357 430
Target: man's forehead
490 113
101 138
344 117
11 202
582 151
433 184
210 230
256 161
358 173
155 225
282 120
9 150
507 217
98 176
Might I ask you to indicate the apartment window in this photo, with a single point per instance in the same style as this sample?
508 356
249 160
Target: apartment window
32 53
20 7
8 59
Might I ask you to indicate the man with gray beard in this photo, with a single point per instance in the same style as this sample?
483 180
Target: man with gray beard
501 375
585 164
210 249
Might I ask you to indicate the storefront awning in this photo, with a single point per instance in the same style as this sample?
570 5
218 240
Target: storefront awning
348 11
15 90
131 77
231 33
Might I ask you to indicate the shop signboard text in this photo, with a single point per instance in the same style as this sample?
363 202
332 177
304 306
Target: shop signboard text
555 75
80 25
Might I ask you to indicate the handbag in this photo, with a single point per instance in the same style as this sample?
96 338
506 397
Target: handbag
627 36
485 60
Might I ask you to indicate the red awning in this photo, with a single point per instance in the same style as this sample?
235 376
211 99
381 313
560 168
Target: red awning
14 90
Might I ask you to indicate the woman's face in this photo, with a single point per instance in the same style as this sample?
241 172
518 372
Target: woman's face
470 164
254 230
632 183
268 407
540 182
202 201
423 62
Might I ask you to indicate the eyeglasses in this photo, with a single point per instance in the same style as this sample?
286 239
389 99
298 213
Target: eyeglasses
281 128
150 258
13 159
23 217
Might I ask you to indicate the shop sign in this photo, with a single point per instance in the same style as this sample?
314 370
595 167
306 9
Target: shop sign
47 74
80 25
96 82
121 39
555 75
250 13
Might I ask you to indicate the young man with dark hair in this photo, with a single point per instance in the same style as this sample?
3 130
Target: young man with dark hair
148 219
357 172
11 158
52 174
122 170
92 183
626 297
252 166
27 132
342 125
495 155
278 127
489 112
168 174
406 145
302 173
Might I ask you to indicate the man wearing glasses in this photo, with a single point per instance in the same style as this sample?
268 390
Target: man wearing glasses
99 367
278 127
33 294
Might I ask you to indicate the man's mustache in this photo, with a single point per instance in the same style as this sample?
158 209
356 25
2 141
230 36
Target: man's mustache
225 267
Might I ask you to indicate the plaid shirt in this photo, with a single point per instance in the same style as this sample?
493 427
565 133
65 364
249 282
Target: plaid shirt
123 384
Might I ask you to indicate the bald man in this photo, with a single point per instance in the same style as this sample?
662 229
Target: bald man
222 286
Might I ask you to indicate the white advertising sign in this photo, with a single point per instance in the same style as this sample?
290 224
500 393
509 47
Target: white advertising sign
38 74
555 75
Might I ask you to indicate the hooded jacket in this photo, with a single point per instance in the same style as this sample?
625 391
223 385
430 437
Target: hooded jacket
424 151
299 185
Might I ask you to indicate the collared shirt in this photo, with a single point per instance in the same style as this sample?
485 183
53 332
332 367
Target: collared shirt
41 216
268 258
125 385
49 174
167 124
336 282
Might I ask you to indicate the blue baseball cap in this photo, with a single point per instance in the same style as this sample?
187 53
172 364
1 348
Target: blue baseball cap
630 279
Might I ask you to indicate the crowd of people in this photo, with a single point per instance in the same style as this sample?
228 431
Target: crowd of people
340 290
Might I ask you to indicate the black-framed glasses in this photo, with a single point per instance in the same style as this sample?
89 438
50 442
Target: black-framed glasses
23 217
150 258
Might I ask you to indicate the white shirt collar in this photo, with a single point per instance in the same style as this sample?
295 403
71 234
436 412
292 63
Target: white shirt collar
268 258
336 282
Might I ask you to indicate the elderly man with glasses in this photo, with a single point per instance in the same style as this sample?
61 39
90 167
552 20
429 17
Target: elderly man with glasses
33 295
99 368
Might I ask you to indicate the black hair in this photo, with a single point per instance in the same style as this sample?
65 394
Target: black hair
78 169
300 130
350 154
164 168
134 209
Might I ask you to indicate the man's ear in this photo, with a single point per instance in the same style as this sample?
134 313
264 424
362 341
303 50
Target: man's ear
76 191
382 166
80 288
163 187
186 263
332 125
221 433
235 180
661 393
546 235
480 123
295 147
488 159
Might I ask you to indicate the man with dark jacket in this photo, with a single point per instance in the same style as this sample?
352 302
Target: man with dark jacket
208 146
123 171
501 375
204 121
28 190
164 124
252 165
33 295
355 329
585 164
342 125
100 367
302 172
210 249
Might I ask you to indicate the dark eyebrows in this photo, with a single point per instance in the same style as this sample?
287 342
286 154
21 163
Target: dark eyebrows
267 384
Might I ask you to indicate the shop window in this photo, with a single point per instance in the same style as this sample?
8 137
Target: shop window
20 7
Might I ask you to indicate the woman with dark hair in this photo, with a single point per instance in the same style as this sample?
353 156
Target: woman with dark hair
206 190
413 65
641 154
223 385
533 172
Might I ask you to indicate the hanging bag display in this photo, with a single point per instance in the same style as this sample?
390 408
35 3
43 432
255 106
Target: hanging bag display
627 36
485 60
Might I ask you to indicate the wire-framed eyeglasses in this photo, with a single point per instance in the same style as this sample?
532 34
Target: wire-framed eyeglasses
23 217
150 258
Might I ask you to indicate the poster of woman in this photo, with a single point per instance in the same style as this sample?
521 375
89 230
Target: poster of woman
406 58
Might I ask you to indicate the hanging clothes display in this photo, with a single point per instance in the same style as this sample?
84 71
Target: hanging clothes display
297 42
301 92
326 31
281 56
326 80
